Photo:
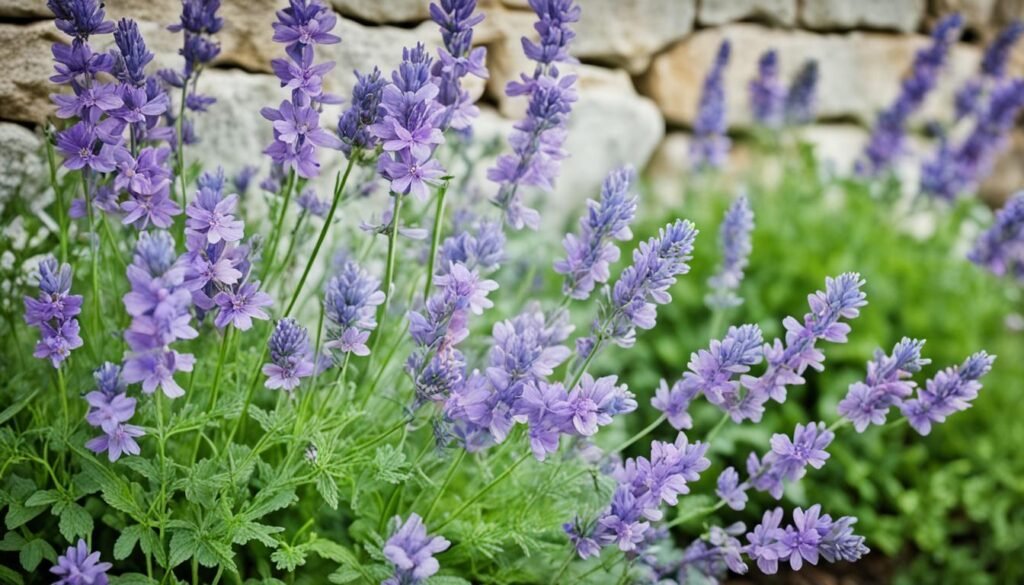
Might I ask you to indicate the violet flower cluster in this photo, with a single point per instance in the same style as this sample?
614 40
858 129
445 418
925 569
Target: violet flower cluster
159 303
476 244
110 409
457 59
767 92
734 241
411 551
79 566
991 71
1000 248
198 24
801 104
53 312
787 461
290 356
301 26
949 392
710 145
643 486
537 140
219 265
590 254
887 385
350 306
888 137
364 111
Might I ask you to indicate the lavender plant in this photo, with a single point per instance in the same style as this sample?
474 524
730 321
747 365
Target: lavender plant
416 433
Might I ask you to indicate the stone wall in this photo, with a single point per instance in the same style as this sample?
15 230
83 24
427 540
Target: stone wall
642 63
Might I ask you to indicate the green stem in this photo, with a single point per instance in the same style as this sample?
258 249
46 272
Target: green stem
565 565
389 269
586 363
58 195
444 485
483 491
717 428
643 433
717 319
436 240
62 387
216 385
181 145
270 256
290 249
94 250
698 513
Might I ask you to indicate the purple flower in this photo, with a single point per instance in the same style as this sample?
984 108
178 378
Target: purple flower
589 255
53 312
592 403
730 490
950 391
552 26
886 385
211 215
350 305
239 307
78 566
120 440
802 96
674 402
132 54
991 70
88 103
812 535
289 356
457 59
310 203
365 111
78 144
411 550
80 18
734 241
765 546
788 458
1000 248
198 16
767 93
710 145
409 175
482 250
108 411
304 24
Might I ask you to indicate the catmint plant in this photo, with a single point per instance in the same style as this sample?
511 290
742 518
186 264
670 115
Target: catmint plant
54 312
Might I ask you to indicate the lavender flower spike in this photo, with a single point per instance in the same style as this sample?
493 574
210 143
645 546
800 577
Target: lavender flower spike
78 566
767 94
350 305
110 409
289 356
589 254
734 240
991 70
411 550
812 535
53 312
789 458
950 391
1000 248
886 385
710 145
802 97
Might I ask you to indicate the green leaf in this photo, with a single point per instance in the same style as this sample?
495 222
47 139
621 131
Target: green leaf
132 579
75 521
9 412
328 489
19 514
144 467
12 542
150 545
287 557
184 545
43 498
249 531
34 552
266 503
204 482
390 465
447 580
9 577
212 553
125 543
344 575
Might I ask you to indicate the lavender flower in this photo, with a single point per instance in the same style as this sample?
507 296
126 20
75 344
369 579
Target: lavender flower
976 155
211 215
457 59
786 362
710 145
889 134
802 96
132 54
411 550
730 490
350 305
289 356
789 458
1000 249
734 240
991 70
767 93
110 409
159 306
886 385
365 111
80 148
240 305
482 250
537 140
78 566
812 535
950 391
589 254
198 24
53 312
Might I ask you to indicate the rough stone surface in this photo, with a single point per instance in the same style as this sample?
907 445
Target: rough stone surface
836 145
24 9
627 34
879 60
380 11
25 71
978 14
900 15
717 12
1008 175
20 157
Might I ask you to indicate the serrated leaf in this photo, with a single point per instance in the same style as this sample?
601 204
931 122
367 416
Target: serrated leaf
390 465
344 575
43 498
248 531
75 521
12 542
266 503
144 467
328 489
150 545
34 552
212 553
125 543
19 514
184 545
287 557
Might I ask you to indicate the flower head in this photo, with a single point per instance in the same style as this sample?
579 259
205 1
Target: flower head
411 551
78 566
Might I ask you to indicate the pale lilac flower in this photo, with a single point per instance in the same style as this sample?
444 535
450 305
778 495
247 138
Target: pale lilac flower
239 307
886 385
411 551
734 242
78 566
54 312
289 356
710 146
350 306
950 391
1000 248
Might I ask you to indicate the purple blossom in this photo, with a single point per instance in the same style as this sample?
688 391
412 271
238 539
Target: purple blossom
77 63
1000 248
483 249
552 26
802 96
409 175
89 104
674 402
715 554
950 391
53 312
812 535
211 215
457 59
411 550
120 440
590 254
350 305
302 25
734 241
132 54
78 566
710 145
310 203
289 356
80 18
365 111
789 458
887 141
80 148
767 93
991 70
887 385
240 306
198 23
731 490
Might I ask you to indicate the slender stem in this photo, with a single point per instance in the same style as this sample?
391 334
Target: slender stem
389 269
586 363
717 318
63 389
58 195
643 433
94 251
565 565
436 240
292 239
698 513
483 491
216 385
717 428
444 485
181 144
275 237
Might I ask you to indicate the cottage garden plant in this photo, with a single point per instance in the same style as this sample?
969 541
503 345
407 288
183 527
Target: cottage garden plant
180 421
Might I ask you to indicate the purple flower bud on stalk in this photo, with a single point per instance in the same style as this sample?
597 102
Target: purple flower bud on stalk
411 551
812 535
78 566
365 111
350 305
290 356
789 458
802 97
132 55
887 385
731 490
589 254
80 18
767 93
457 59
1000 248
710 146
53 312
949 392
734 241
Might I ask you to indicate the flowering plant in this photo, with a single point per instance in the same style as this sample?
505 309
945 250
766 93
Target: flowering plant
225 436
